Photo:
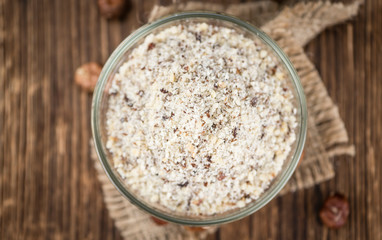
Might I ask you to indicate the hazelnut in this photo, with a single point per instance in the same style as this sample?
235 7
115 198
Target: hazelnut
86 76
335 211
158 221
112 8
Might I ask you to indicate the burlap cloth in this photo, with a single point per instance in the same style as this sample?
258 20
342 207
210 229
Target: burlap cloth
292 28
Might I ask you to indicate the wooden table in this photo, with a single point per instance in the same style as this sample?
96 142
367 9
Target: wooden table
48 186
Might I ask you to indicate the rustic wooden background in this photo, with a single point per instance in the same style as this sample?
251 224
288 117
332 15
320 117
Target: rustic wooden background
48 186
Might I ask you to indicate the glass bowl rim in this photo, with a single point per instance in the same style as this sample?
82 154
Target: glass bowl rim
126 44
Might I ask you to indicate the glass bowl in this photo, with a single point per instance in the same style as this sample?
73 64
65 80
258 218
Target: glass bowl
100 105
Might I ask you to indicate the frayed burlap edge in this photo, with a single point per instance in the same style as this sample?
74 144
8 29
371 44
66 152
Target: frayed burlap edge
326 136
306 20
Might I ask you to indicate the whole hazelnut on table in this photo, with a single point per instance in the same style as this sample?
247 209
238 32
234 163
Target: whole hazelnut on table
112 8
335 211
86 76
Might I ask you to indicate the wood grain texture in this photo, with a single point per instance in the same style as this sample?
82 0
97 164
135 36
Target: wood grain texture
48 186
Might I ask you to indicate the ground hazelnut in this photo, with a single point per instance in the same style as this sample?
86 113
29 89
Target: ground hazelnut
86 76
335 211
112 8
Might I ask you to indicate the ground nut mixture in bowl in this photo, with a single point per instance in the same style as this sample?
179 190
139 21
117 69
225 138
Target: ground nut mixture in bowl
200 121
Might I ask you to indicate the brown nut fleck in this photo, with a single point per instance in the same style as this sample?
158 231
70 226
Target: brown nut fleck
158 221
150 46
234 132
86 76
163 91
221 176
183 184
335 211
254 101
112 8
